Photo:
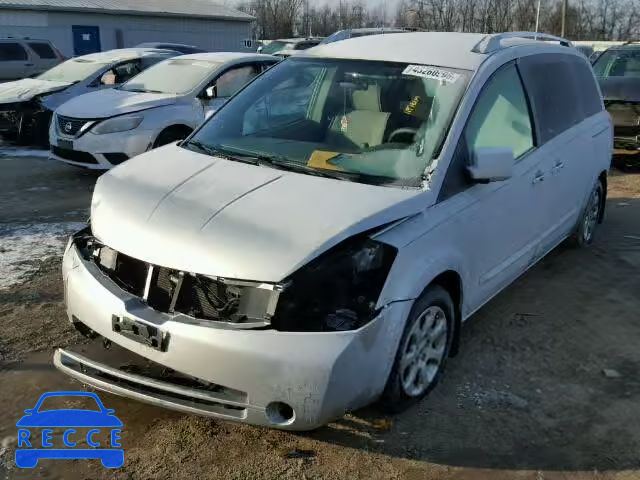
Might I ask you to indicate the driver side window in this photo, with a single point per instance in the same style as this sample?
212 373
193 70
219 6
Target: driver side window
119 74
233 80
500 117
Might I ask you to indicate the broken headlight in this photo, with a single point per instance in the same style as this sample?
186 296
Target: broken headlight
338 290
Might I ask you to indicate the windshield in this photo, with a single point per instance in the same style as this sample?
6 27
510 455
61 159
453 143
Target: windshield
176 76
371 122
336 37
275 46
74 70
618 63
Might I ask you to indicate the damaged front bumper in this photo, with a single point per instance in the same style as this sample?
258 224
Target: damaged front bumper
288 380
25 121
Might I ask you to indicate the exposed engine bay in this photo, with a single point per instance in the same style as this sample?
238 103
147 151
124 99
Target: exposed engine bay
336 291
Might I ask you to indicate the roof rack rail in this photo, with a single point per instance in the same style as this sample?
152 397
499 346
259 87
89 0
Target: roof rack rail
493 42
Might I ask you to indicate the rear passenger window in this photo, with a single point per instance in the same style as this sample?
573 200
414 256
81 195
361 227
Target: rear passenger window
10 52
500 117
43 50
562 90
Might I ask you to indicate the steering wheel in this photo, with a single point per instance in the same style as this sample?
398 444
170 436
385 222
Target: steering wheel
400 131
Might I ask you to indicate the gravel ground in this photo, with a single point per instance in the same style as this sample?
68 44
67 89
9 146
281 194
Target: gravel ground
527 398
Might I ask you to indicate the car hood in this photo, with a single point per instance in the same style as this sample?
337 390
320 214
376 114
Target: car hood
24 90
111 102
69 418
201 214
620 88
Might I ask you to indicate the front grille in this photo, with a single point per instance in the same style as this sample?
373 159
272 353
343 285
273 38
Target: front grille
70 126
73 155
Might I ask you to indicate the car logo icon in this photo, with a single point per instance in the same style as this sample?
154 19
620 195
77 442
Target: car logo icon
68 126
30 439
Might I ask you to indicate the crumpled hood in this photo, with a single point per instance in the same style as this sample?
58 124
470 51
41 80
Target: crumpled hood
24 90
620 88
111 102
192 212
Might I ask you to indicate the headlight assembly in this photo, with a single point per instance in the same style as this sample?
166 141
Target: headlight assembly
118 124
336 291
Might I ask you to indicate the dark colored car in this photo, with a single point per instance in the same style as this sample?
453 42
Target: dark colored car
618 71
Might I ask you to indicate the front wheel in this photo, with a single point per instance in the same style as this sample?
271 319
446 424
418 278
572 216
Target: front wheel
423 350
171 135
586 227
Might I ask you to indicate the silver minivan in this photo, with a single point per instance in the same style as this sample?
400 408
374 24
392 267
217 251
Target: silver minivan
318 243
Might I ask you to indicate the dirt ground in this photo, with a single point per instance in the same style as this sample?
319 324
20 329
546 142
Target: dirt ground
526 398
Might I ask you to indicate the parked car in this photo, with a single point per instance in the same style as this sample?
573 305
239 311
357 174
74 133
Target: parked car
360 32
618 71
26 105
586 50
161 105
289 46
298 265
178 47
26 57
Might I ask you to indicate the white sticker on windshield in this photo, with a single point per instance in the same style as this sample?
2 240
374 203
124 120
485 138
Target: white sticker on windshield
431 72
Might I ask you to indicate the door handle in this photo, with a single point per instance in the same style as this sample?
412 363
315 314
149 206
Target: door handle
538 178
28 64
558 166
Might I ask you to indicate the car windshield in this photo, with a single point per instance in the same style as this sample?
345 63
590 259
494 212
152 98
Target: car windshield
365 121
74 70
618 63
275 46
176 76
336 37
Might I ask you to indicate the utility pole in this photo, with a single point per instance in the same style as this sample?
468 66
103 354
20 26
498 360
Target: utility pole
564 17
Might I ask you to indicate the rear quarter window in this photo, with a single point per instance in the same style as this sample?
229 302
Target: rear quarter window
563 91
11 52
43 50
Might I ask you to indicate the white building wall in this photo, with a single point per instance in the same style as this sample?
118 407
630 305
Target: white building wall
213 35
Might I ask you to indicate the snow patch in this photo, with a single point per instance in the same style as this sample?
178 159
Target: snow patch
15 152
23 246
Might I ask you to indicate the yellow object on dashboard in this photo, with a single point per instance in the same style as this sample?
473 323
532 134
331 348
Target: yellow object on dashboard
320 159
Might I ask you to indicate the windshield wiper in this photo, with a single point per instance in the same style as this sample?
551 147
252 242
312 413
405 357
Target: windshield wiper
140 90
203 147
218 152
283 163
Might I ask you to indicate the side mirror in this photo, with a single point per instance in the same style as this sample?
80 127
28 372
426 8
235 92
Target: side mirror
29 411
491 164
211 92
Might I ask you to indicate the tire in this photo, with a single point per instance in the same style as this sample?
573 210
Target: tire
170 135
401 392
591 215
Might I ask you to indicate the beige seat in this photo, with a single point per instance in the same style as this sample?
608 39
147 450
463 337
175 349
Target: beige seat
365 125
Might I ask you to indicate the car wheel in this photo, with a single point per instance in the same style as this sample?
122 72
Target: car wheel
171 135
423 350
586 227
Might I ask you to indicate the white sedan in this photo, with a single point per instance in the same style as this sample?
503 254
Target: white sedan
26 105
157 107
